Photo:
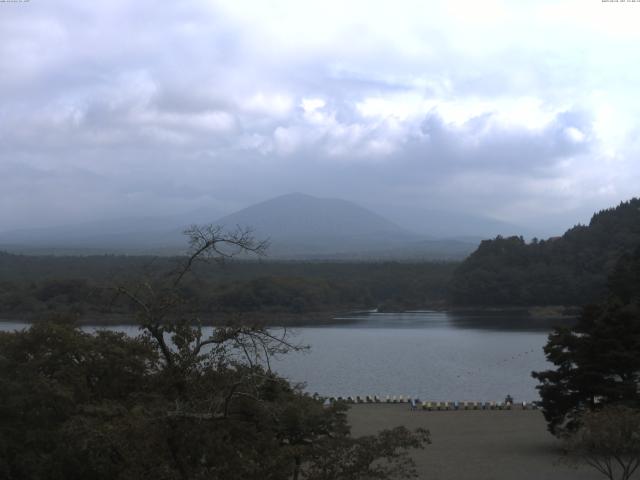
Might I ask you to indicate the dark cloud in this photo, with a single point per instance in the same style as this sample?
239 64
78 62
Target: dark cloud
115 108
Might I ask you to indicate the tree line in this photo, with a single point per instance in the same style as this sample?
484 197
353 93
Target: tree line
567 270
31 287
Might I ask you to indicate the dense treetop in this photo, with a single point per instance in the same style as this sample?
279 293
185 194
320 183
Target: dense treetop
569 270
597 362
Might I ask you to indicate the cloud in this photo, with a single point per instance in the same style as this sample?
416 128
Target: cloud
509 109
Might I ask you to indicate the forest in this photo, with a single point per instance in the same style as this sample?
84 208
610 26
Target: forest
32 287
567 270
570 270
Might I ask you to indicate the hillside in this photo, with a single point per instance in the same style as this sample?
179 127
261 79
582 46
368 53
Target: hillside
437 223
299 216
298 226
569 270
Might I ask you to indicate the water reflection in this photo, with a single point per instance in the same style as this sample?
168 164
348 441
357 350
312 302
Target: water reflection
432 355
498 320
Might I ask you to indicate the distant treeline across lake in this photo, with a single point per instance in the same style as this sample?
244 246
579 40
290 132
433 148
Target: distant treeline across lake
32 286
570 270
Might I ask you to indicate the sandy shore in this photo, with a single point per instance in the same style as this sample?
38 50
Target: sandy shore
476 444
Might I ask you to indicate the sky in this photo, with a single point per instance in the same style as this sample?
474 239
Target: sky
522 111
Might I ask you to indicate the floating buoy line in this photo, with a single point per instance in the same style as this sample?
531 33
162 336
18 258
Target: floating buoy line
428 405
496 364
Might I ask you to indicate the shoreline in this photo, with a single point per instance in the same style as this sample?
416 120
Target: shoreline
319 318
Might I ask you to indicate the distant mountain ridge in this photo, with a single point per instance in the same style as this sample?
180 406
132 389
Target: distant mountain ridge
297 215
303 226
571 269
298 226
448 224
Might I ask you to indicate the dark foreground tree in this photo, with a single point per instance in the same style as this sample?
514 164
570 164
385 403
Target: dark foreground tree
174 403
609 441
597 361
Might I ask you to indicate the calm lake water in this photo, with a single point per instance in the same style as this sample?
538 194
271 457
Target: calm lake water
432 355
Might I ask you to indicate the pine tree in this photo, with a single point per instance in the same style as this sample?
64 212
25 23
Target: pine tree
598 360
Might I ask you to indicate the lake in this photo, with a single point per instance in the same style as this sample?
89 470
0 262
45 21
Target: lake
440 356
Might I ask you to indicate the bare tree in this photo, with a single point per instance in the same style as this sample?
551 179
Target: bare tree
179 337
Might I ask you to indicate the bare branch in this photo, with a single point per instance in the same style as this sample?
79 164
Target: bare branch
205 241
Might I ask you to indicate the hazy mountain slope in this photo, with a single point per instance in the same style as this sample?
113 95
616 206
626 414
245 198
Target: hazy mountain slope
119 234
298 216
302 226
437 223
298 226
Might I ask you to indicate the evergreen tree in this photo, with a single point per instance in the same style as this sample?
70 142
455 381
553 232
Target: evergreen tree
598 360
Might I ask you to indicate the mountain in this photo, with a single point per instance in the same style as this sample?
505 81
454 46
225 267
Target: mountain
302 226
297 226
570 270
302 216
299 220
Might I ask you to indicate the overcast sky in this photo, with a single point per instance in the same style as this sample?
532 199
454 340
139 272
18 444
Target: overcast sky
523 111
